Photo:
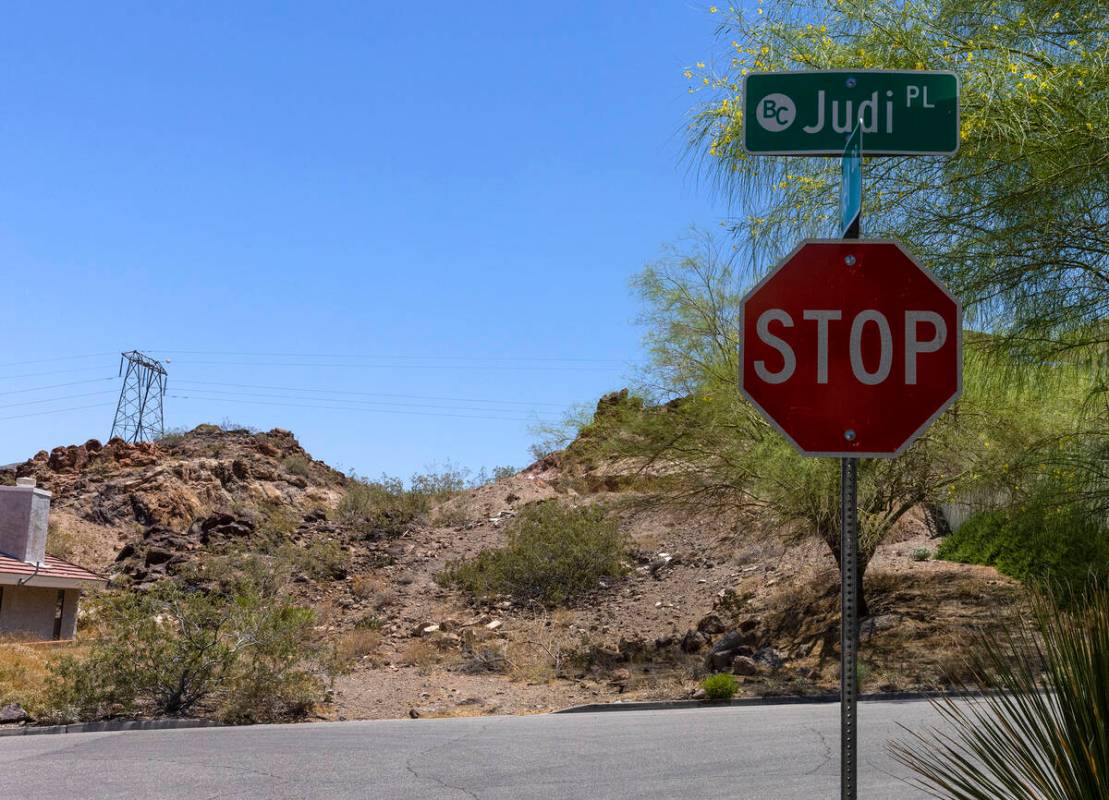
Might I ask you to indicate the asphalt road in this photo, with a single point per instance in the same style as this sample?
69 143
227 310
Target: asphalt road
766 752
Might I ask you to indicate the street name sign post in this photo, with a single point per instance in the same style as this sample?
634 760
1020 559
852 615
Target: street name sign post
850 348
811 113
851 185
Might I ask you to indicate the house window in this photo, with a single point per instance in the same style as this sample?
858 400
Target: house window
59 609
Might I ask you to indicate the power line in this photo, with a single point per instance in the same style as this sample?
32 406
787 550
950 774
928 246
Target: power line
364 356
356 402
398 366
55 411
57 385
358 408
48 372
374 394
55 358
57 399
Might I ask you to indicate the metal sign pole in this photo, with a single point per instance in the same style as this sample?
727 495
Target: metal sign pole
849 627
851 222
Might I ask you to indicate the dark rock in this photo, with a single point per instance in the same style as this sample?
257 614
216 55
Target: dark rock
711 624
125 553
316 515
157 555
720 660
13 712
743 665
693 642
768 656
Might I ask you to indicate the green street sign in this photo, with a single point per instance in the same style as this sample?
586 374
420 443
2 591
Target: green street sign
813 113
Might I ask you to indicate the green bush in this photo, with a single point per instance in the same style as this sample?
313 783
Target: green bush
720 686
172 652
553 555
1033 540
920 554
297 465
321 560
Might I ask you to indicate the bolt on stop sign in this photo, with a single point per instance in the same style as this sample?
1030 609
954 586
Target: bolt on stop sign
851 348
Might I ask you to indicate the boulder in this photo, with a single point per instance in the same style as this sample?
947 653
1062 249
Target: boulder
768 656
744 665
711 624
693 642
12 713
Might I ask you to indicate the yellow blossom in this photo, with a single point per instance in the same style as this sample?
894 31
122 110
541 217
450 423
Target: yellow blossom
700 65
1013 68
713 9
687 74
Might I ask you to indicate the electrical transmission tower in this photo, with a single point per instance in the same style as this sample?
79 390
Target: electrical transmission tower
139 415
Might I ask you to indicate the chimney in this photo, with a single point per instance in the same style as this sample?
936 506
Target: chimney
24 516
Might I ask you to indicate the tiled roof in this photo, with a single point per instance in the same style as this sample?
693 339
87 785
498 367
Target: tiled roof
52 568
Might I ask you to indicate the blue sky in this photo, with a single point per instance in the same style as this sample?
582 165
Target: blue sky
302 202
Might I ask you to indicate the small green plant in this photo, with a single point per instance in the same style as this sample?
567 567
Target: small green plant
297 464
920 554
554 554
321 560
721 686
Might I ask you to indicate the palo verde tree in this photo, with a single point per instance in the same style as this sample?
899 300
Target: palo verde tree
1016 223
701 447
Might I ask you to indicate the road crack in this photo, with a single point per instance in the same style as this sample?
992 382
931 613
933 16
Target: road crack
827 756
424 753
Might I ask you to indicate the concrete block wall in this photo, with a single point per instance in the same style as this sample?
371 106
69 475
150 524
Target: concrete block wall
29 610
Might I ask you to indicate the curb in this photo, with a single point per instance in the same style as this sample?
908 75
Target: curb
785 700
112 726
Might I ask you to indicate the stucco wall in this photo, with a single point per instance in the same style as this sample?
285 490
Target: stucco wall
30 610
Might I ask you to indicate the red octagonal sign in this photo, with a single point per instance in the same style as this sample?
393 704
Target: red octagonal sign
851 348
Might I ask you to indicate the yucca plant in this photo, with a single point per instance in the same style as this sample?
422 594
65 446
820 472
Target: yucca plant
1042 732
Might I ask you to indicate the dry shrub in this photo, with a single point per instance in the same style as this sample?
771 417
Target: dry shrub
24 671
374 590
357 644
421 654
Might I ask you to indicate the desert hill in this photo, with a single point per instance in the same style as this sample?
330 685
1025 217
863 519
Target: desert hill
701 593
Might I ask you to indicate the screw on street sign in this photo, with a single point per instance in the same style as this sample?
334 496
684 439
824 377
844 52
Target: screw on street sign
851 348
812 113
851 185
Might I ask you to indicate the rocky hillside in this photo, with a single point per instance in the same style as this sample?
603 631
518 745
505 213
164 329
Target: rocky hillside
701 594
177 492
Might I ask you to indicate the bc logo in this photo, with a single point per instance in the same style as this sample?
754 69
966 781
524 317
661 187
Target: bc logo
776 112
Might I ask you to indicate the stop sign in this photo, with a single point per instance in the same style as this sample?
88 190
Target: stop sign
851 348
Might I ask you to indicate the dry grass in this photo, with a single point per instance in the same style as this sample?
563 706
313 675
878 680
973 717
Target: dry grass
357 645
25 670
60 542
421 654
375 591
